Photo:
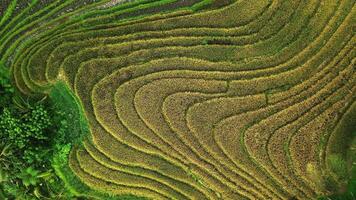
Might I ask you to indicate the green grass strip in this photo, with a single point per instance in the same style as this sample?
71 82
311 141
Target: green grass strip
9 10
28 37
29 22
201 5
84 23
119 7
91 22
149 5
78 129
64 100
17 17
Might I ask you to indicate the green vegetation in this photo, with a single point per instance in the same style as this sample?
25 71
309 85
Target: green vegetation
74 129
341 158
29 135
171 99
37 137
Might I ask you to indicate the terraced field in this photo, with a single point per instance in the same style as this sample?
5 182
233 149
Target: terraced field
194 99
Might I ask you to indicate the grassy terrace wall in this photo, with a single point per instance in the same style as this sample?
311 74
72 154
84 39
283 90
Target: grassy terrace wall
77 131
193 99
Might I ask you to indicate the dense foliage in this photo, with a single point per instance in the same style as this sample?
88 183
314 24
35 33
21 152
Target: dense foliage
30 133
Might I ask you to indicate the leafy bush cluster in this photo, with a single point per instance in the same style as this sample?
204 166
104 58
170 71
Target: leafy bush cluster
30 134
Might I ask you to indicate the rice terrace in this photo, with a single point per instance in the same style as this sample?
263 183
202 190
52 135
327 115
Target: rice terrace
178 99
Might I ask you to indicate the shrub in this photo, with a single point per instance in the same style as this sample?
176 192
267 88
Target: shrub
30 133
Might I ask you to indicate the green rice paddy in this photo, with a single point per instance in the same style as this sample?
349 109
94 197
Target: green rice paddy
192 99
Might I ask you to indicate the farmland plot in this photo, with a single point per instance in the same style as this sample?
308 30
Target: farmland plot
194 99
